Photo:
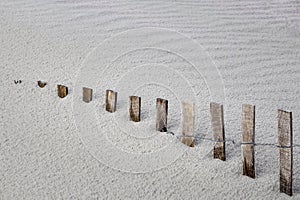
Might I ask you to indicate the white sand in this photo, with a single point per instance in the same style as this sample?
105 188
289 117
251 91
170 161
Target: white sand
232 52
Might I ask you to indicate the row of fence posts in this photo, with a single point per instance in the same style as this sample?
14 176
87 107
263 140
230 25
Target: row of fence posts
285 131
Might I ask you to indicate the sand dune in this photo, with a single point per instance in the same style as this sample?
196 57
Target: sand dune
56 148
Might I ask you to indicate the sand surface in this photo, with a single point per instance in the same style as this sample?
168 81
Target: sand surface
232 52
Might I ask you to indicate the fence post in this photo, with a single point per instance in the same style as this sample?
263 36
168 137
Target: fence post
62 91
111 101
87 94
217 122
41 84
285 144
161 114
248 140
135 108
188 118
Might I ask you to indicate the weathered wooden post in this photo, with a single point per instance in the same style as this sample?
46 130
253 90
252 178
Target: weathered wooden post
111 101
135 108
188 118
248 140
217 122
87 94
41 84
62 91
285 144
161 114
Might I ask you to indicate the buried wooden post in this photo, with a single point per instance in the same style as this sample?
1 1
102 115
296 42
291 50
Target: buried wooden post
285 144
41 84
161 114
62 91
188 118
87 94
111 101
217 122
135 108
248 140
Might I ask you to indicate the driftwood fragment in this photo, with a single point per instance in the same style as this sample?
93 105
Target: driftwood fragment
285 143
111 101
217 122
87 94
135 108
62 91
41 84
161 114
248 140
188 118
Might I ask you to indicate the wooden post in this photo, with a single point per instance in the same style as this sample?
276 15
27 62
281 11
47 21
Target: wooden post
248 140
62 91
217 122
285 143
135 108
87 94
161 114
188 118
41 84
111 101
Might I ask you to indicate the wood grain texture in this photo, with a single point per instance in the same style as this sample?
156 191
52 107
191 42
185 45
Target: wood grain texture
161 114
248 140
135 108
217 122
62 91
285 143
41 84
87 94
111 101
188 120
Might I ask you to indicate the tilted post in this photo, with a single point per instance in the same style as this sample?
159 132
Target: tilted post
135 108
62 91
217 122
285 144
161 114
248 140
111 101
188 118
